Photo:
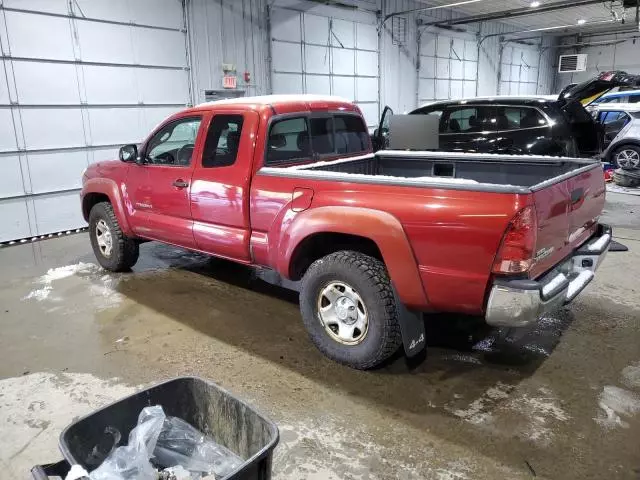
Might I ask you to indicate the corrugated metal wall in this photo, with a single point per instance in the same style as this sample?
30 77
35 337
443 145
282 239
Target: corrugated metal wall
228 31
77 80
399 62
623 56
236 31
399 87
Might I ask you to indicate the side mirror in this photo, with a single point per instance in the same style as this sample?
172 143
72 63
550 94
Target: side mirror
128 153
376 132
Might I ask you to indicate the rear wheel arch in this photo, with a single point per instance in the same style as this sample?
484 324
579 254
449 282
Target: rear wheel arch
384 239
320 244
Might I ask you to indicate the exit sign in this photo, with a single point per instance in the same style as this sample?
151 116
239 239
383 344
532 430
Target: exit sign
229 81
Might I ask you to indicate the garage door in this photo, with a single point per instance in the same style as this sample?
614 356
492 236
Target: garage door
75 85
519 70
448 66
325 55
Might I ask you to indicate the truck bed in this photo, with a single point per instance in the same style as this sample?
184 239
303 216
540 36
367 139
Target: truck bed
505 173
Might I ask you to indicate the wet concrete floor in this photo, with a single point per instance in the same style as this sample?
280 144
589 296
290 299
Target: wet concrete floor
561 401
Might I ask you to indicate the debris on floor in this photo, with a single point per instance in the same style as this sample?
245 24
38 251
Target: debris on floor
623 189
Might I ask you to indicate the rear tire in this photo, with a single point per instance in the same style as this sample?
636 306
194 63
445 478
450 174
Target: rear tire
113 250
627 157
361 296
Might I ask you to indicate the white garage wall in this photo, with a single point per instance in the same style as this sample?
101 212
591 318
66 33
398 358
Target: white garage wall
74 85
228 31
520 68
448 66
443 72
601 58
325 50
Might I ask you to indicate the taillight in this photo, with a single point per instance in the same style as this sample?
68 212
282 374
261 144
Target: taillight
518 246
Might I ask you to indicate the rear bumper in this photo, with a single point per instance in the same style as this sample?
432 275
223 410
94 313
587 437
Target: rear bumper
518 303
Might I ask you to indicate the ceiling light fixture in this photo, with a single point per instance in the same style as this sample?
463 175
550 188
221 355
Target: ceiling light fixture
534 4
582 21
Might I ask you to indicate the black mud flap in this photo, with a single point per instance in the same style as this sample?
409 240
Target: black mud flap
411 327
617 247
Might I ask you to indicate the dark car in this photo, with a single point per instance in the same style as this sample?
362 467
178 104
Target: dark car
544 125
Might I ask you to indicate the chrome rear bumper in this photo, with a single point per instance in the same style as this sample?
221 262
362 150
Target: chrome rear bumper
518 303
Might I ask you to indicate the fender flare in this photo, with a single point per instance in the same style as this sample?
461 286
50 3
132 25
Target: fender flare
109 188
381 227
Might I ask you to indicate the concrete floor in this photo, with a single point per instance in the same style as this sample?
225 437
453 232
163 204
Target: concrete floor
561 402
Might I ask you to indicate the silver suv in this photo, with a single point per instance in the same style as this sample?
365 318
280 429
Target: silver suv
621 124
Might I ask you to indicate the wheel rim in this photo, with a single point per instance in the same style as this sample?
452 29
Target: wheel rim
104 238
628 158
342 313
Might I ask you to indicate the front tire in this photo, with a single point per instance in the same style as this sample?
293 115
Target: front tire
113 250
349 309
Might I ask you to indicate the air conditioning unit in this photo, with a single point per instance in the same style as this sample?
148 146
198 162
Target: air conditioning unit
572 63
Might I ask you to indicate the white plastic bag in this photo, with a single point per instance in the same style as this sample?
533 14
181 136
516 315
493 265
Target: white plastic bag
180 443
131 462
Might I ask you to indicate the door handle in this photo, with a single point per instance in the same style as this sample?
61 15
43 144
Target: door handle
180 183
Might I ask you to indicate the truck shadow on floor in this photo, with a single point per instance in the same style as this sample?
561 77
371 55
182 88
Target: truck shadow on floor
465 364
227 302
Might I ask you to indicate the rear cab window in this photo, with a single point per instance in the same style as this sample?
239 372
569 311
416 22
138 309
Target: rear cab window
304 138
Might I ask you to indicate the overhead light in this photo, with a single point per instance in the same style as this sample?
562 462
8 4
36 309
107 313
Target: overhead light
582 21
534 4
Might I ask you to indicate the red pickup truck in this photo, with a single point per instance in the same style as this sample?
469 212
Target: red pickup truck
290 186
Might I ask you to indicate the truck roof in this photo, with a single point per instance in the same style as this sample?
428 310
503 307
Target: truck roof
282 103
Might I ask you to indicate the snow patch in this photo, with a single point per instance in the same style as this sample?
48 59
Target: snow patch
454 471
59 273
615 403
631 376
37 407
477 412
39 294
103 294
540 412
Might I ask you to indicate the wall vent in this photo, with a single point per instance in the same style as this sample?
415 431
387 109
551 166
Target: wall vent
572 63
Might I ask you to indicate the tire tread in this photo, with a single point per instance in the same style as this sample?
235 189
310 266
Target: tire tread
125 250
375 271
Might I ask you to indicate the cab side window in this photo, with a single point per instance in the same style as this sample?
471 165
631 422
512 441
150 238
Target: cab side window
223 140
173 144
289 140
301 139
351 135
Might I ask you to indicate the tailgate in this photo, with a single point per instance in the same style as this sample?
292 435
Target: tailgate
567 214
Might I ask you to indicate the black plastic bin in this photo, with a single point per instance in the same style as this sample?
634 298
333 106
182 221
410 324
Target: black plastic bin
209 408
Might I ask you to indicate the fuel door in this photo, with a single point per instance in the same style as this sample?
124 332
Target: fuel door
301 199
